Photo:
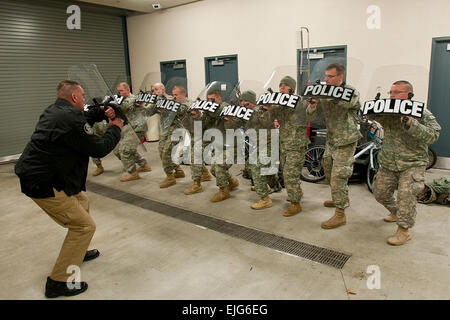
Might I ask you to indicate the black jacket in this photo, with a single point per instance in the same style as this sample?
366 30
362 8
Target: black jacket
57 155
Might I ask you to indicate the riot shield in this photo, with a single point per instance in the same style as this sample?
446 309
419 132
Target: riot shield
97 91
159 97
353 69
209 103
92 81
257 126
380 101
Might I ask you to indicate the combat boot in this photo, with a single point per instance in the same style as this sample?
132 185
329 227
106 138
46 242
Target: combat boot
130 176
179 173
335 221
265 202
233 183
293 209
224 193
329 204
206 176
145 168
195 188
392 217
400 237
169 181
98 171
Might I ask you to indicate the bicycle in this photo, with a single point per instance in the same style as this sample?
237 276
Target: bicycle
366 153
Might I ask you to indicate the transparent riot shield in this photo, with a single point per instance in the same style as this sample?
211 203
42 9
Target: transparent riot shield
256 127
353 70
381 89
97 91
159 98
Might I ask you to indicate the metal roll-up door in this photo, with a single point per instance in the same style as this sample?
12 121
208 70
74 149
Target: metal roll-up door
36 50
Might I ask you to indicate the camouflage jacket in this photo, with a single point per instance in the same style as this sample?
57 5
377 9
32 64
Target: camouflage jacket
169 120
260 119
134 114
293 126
404 148
340 117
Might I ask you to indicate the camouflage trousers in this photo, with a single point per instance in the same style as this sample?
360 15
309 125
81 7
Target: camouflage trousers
408 183
126 149
100 130
165 147
291 162
196 169
337 163
260 181
220 171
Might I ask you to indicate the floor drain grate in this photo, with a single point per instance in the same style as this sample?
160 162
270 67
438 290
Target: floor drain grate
301 249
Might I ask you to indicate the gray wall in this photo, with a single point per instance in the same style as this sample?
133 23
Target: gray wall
36 50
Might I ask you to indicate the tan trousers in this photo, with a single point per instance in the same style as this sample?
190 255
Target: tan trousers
72 213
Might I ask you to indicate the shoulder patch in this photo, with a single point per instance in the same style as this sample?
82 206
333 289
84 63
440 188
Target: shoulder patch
88 129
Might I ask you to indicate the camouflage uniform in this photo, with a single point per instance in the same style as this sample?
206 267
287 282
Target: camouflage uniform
166 144
99 129
293 142
260 120
403 160
342 137
126 149
220 171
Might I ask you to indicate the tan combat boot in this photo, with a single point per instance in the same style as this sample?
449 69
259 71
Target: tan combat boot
233 183
145 168
206 176
224 193
293 209
195 188
328 204
335 221
400 237
169 181
392 217
265 202
179 173
98 171
130 176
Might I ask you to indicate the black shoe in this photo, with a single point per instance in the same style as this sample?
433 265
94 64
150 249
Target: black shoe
54 289
91 254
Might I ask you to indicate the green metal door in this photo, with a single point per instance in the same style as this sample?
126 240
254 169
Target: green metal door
439 92
222 68
315 55
175 70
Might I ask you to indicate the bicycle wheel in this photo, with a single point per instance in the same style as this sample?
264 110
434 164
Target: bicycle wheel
432 157
312 170
372 171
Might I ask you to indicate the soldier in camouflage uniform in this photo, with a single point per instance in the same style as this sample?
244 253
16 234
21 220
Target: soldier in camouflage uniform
199 172
260 119
166 145
293 141
224 180
342 137
99 129
126 149
403 160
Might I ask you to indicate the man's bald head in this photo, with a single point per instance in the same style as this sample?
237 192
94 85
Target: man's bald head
159 89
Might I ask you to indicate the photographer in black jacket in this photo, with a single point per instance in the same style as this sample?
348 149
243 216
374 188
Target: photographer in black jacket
53 169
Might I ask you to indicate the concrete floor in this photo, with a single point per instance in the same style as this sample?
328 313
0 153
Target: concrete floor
146 255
